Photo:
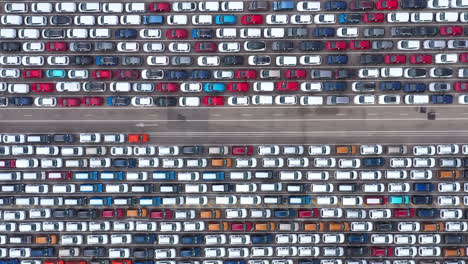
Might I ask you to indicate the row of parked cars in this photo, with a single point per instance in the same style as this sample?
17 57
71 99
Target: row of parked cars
253 261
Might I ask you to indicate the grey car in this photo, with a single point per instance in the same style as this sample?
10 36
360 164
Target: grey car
81 46
382 44
132 60
434 44
457 44
143 87
335 99
94 86
374 32
181 60
297 32
53 33
104 46
440 87
258 5
321 74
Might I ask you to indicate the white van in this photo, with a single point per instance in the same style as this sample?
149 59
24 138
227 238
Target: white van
311 100
251 33
264 86
326 200
72 151
271 187
230 199
120 87
34 175
27 201
321 188
18 88
264 174
51 201
351 200
36 188
271 200
117 188
236 6
346 175
188 176
10 176
137 176
240 175
96 150
262 99
76 163
226 33
290 175
318 175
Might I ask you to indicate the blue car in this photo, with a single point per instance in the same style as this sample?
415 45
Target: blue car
299 200
202 33
349 18
324 32
358 238
284 213
442 99
175 75
225 19
213 175
237 261
20 100
124 163
126 33
427 212
337 59
414 87
373 162
163 175
423 187
9 261
153 20
197 239
42 252
200 75
261 239
422 199
190 252
335 5
107 60
144 239
143 262
283 5
334 86
118 100
390 86
214 87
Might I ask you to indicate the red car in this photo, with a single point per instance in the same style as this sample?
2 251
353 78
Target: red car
242 150
287 86
111 213
308 213
102 74
213 100
176 34
58 175
374 17
161 214
205 47
53 262
252 19
403 212
92 101
75 262
386 4
238 87
56 46
69 101
421 59
159 7
296 74
242 227
246 74
43 87
395 59
464 57
360 45
122 261
451 31
381 251
137 138
7 163
461 87
167 87
336 45
33 74
127 74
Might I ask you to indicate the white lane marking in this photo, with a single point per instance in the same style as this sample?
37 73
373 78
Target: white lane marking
341 114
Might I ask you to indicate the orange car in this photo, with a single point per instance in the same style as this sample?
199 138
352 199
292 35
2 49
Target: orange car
453 252
433 227
265 226
46 239
218 226
314 226
338 226
137 212
137 138
210 213
221 162
449 174
346 149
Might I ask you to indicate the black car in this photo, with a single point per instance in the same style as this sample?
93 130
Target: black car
357 251
82 60
421 199
282 45
94 86
361 5
154 74
371 59
10 46
258 5
413 4
427 212
364 86
233 60
312 46
21 101
416 72
425 31
193 150
454 239
3 101
94 252
61 20
297 32
64 213
442 72
402 31
143 253
255 45
181 60
88 214
374 32
383 226
345 74
65 138
53 33
81 46
165 101
104 46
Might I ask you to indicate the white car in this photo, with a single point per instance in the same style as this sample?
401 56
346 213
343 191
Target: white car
438 4
45 101
179 47
150 33
277 19
308 6
272 162
301 19
347 32
424 150
408 44
423 162
229 47
128 46
285 99
238 100
406 251
371 149
325 19
310 60
208 60
177 19
389 99
446 58
369 73
391 72
398 17
364 99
